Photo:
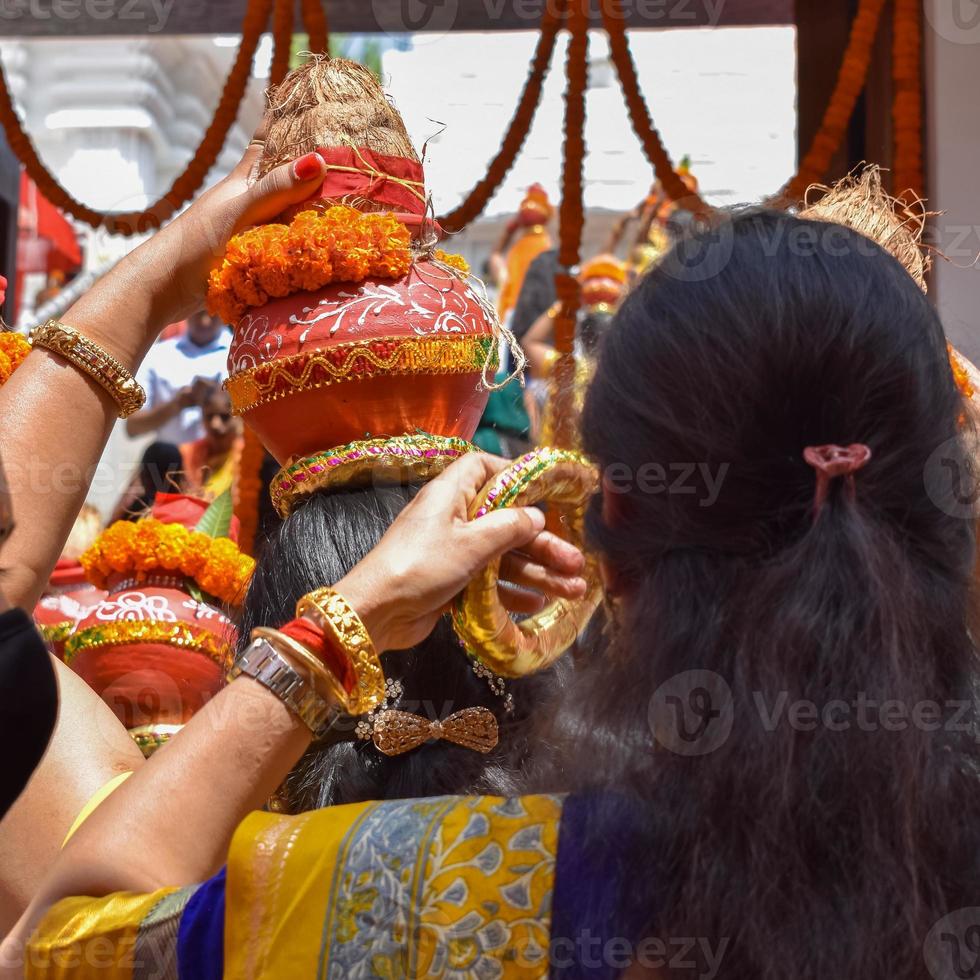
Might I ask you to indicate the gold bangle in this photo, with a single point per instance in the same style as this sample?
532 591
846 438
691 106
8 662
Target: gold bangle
485 628
94 361
336 615
294 650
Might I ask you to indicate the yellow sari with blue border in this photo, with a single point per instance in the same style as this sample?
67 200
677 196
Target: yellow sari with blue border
442 887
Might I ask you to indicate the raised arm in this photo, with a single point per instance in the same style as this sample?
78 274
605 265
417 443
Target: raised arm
90 748
236 751
57 420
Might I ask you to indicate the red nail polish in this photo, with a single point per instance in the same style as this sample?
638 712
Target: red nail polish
307 167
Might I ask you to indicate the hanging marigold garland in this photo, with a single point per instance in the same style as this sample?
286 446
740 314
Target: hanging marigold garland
614 22
315 22
187 184
248 490
850 83
909 182
282 37
571 218
520 125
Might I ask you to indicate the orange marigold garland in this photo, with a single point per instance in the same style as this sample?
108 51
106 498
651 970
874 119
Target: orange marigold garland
187 184
520 124
282 36
571 218
248 489
14 347
614 22
960 373
908 180
338 244
850 82
128 547
315 22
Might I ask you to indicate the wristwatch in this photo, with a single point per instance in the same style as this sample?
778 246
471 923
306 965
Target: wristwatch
261 661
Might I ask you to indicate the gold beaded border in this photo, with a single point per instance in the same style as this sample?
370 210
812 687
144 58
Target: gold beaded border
133 631
367 462
56 632
357 361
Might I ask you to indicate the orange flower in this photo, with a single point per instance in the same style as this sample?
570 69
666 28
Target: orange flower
14 347
960 374
215 564
339 244
453 261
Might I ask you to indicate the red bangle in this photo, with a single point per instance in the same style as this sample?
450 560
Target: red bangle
315 640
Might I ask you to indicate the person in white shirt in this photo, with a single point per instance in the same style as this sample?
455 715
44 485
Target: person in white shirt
179 375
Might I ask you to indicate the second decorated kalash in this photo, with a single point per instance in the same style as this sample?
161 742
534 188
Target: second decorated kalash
161 641
362 357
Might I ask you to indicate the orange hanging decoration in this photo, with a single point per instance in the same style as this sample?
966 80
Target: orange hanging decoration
571 219
520 125
248 490
908 179
282 37
187 184
315 22
850 83
673 184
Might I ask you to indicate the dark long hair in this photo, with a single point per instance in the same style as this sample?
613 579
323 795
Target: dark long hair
838 820
319 544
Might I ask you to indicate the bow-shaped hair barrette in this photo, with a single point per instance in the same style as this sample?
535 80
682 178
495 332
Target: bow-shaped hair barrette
394 732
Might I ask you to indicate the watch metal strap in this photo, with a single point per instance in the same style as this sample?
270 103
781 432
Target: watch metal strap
263 663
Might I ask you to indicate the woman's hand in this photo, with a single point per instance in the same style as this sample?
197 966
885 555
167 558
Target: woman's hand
168 273
191 245
432 551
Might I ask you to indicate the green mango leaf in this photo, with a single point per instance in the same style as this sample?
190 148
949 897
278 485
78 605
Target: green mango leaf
216 520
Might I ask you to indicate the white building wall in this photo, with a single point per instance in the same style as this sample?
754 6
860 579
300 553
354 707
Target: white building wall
116 120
